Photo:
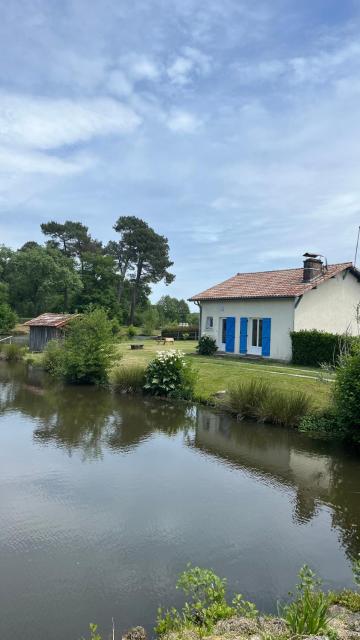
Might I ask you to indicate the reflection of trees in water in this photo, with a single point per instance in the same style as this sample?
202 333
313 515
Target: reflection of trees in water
87 418
320 471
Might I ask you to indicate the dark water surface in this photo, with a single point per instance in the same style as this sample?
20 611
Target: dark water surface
104 499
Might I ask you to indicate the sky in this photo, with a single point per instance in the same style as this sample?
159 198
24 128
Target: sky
231 126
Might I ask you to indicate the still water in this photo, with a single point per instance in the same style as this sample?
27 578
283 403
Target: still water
105 499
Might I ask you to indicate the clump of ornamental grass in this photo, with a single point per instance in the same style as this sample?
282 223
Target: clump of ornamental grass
245 398
286 408
128 378
257 399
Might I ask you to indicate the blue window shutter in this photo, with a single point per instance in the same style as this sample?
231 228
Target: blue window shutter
230 334
266 336
243 335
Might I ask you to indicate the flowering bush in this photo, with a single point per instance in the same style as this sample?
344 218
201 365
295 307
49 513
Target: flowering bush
169 374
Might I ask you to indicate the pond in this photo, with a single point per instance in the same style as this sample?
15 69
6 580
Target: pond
104 499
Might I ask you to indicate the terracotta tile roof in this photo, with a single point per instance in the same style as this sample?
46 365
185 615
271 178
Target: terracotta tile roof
286 283
50 320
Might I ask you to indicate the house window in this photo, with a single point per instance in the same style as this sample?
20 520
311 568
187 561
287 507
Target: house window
256 338
209 322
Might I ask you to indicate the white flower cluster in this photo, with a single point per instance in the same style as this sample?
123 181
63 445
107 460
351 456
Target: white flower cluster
167 356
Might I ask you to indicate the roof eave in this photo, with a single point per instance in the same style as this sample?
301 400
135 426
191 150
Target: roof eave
229 298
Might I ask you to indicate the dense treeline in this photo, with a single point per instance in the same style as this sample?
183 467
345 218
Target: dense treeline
72 270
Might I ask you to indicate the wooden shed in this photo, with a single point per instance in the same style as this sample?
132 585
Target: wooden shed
48 326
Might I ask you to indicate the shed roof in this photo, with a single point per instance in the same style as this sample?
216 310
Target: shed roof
50 320
284 283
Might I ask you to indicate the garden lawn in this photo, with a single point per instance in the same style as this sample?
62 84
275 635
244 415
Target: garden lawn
217 373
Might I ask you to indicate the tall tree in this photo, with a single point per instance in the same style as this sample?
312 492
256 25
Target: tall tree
72 238
41 279
172 310
145 254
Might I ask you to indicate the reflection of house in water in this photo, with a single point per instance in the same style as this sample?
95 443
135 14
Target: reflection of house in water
318 471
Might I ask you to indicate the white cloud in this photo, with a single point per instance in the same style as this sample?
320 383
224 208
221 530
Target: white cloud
190 62
183 122
179 70
43 123
141 67
12 160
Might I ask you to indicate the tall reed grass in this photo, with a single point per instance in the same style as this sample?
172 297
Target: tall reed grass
259 400
128 378
12 352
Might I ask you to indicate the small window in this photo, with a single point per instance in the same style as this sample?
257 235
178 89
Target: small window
209 322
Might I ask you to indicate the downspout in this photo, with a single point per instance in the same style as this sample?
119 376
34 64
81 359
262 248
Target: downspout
200 316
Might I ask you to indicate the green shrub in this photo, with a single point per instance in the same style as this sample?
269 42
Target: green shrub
8 318
308 614
170 375
347 598
88 348
53 358
347 393
206 603
131 331
207 346
326 422
128 378
13 352
312 348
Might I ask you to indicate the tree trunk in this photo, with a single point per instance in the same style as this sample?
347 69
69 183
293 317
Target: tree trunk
134 291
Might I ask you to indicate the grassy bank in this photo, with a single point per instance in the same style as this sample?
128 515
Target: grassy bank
215 373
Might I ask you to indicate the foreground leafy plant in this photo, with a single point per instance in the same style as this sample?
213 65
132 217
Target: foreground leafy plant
308 614
206 603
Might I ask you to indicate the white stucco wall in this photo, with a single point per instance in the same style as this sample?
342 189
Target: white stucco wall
280 311
331 307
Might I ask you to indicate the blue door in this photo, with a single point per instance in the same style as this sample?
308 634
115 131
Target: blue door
230 335
266 336
243 335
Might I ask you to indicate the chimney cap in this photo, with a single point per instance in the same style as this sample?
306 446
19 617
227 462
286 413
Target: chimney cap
311 255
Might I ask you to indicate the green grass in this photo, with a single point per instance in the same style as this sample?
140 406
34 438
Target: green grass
216 374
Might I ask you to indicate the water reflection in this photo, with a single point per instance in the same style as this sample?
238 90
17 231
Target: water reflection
90 421
320 471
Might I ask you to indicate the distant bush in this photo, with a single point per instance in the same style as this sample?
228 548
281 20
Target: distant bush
128 378
12 352
88 348
259 400
179 332
8 318
170 375
53 358
131 331
313 348
207 346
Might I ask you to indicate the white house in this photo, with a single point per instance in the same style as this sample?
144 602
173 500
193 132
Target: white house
254 313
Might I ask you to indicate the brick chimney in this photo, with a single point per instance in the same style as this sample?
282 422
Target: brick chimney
313 267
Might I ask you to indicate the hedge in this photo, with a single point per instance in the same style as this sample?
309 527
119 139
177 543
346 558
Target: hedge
312 348
181 333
